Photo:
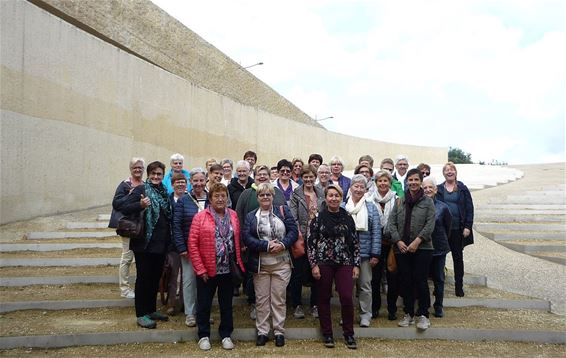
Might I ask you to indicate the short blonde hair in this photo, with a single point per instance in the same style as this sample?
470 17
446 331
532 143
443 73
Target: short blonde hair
335 187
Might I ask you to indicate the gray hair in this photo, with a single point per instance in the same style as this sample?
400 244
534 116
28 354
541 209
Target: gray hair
243 163
383 173
359 178
197 170
401 157
229 161
135 160
429 179
177 156
336 159
322 167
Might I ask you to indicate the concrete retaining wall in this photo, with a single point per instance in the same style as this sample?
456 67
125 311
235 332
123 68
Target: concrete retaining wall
75 108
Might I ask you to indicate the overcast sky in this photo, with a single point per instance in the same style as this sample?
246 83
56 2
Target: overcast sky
484 76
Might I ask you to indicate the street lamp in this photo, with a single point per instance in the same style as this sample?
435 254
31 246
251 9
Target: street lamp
322 119
255 64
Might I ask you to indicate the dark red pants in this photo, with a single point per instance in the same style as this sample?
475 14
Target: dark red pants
342 276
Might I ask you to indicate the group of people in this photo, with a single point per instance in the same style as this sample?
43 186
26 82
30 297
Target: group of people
219 223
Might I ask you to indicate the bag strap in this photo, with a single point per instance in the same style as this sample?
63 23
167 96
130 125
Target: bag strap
282 211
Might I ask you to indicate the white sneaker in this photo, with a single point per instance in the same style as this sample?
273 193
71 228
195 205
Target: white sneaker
128 294
423 323
406 321
299 313
190 321
364 322
204 343
227 343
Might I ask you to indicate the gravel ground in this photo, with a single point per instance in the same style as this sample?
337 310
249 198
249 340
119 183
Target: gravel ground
116 252
367 347
60 271
40 322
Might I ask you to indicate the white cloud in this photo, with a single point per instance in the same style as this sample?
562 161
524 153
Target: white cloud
389 65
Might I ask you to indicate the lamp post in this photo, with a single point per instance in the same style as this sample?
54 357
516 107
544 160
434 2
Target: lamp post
322 119
255 64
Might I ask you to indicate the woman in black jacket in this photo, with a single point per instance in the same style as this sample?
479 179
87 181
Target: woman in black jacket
137 165
459 200
152 202
442 223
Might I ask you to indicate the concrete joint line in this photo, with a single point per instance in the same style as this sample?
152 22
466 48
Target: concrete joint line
75 262
57 247
249 334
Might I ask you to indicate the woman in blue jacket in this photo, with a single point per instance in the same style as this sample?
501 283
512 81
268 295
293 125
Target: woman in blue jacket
268 235
459 200
185 210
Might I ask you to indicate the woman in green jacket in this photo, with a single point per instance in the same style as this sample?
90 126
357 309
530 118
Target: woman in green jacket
411 225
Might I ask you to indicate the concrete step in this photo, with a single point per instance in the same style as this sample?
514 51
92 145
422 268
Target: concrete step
47 262
533 249
546 192
57 280
495 227
526 236
558 260
496 218
249 334
40 247
506 206
535 199
87 225
54 235
103 217
533 304
496 212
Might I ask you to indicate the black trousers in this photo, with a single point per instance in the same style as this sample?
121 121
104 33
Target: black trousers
413 270
205 294
455 241
392 284
148 272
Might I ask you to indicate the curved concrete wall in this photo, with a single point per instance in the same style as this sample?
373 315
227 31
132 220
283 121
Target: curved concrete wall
75 109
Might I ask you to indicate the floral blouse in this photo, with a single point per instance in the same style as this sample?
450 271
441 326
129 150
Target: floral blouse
333 240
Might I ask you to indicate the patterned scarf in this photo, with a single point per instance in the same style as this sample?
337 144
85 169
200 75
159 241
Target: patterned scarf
410 202
387 202
159 201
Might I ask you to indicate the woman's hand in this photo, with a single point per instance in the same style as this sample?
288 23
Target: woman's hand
414 245
316 273
144 202
184 254
373 261
355 272
466 232
402 246
204 277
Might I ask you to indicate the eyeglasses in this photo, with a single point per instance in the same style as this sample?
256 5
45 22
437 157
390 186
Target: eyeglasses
264 195
388 169
425 173
285 171
323 173
138 168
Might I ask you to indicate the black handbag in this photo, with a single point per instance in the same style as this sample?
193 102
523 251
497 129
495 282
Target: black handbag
132 226
237 273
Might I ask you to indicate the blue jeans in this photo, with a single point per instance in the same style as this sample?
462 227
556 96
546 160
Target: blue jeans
437 272
189 286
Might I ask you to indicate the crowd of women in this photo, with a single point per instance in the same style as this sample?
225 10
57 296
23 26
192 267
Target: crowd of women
228 223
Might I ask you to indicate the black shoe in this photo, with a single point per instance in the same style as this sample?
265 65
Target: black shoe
350 342
261 340
374 315
459 292
279 340
329 342
392 316
236 292
438 312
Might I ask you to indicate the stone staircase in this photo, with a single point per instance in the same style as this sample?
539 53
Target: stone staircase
59 289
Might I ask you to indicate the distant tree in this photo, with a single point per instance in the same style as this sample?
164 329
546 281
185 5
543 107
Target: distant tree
458 156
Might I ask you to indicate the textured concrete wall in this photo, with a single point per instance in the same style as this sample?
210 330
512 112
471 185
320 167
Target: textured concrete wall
75 108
